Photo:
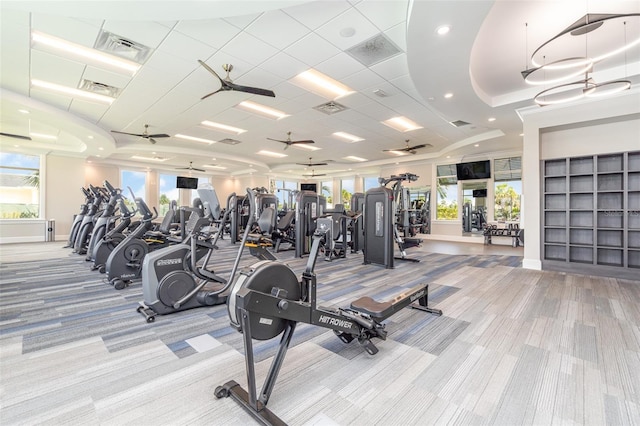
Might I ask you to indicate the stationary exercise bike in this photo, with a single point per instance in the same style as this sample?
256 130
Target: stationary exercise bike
267 300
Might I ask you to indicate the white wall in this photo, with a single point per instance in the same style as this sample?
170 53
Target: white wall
64 179
595 126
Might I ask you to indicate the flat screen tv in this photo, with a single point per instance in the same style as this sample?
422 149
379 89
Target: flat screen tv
479 193
183 182
309 187
474 170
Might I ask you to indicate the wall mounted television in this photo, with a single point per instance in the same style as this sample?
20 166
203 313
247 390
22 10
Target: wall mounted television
183 182
309 187
474 170
479 193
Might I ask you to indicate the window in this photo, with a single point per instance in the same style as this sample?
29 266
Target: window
203 182
135 181
19 186
346 190
327 191
284 190
508 188
370 182
168 193
447 193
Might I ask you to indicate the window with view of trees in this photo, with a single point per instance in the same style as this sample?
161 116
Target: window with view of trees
283 190
447 193
168 193
346 190
370 182
135 181
508 188
19 186
327 191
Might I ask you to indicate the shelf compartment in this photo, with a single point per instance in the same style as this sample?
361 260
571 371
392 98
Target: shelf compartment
634 201
582 165
633 258
555 201
581 201
611 219
633 181
633 239
634 220
610 182
610 201
610 163
581 236
555 219
581 184
581 219
610 238
555 252
555 167
581 255
634 161
555 184
610 257
555 236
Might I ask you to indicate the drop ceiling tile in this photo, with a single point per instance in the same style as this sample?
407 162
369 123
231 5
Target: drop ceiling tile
91 111
55 69
185 47
364 29
252 49
284 66
312 50
59 101
392 68
398 35
242 21
362 80
213 32
384 14
277 28
316 13
69 29
354 100
340 66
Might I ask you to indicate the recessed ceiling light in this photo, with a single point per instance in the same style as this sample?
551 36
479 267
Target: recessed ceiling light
448 156
223 127
316 82
398 153
23 111
477 145
347 32
348 137
49 43
73 92
448 95
443 29
401 124
214 166
521 134
100 148
308 147
271 154
90 137
354 158
263 110
492 119
194 139
140 157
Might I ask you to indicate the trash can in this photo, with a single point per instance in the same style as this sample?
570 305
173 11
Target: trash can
50 230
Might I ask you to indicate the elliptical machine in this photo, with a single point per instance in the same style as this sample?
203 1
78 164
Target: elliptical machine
77 220
115 236
106 220
87 224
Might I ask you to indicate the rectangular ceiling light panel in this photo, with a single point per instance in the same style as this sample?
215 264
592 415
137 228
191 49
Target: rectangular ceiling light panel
271 154
194 139
48 43
262 110
71 91
320 84
223 127
348 137
402 124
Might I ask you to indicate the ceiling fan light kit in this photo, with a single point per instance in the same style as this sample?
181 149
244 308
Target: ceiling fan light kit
552 68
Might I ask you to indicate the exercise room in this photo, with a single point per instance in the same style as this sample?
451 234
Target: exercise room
320 212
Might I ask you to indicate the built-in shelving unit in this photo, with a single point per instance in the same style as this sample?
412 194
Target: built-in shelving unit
591 214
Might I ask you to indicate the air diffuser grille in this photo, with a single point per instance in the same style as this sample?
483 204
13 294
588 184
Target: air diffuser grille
374 50
100 88
229 141
123 47
459 123
330 108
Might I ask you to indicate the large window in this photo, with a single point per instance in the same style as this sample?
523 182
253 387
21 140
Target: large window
327 190
285 191
370 182
507 175
135 181
447 193
19 186
346 190
168 193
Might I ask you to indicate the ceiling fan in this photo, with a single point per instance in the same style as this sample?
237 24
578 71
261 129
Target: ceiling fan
191 168
289 142
11 135
311 164
313 174
409 149
228 84
145 134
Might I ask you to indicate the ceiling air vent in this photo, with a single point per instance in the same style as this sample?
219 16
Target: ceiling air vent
99 88
229 141
123 47
330 108
374 50
459 123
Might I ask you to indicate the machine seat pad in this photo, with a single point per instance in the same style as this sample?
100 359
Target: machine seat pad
378 310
